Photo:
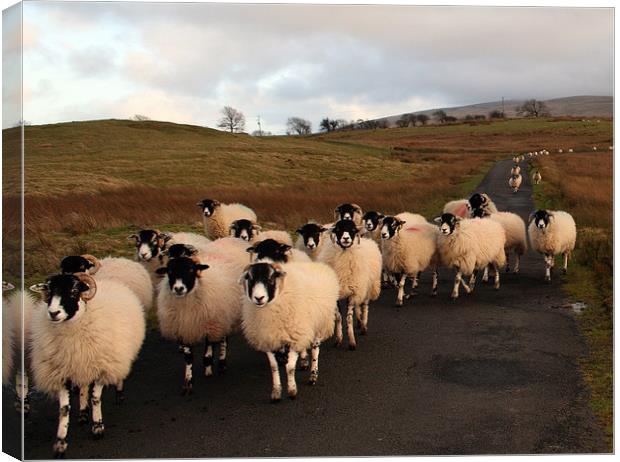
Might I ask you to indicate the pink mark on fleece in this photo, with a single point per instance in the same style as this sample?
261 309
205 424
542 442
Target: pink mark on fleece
461 211
413 229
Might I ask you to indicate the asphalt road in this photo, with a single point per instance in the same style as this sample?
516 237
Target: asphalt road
493 373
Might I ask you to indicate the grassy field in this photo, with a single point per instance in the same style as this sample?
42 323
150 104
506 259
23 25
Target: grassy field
582 183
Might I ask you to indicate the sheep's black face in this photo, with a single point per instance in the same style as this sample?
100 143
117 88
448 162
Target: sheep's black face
208 206
477 201
371 220
243 229
447 223
479 213
390 227
63 297
272 250
75 264
149 244
541 218
182 273
345 232
347 211
261 281
311 234
181 250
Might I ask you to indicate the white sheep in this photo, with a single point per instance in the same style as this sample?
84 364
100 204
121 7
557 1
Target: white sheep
570 150
199 300
460 208
251 232
349 212
469 245
536 177
515 182
552 232
276 252
277 235
90 333
372 226
480 202
515 170
290 307
312 236
152 244
358 266
611 148
594 148
408 249
123 270
218 217
560 150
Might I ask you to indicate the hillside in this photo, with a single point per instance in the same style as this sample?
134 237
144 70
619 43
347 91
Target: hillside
573 106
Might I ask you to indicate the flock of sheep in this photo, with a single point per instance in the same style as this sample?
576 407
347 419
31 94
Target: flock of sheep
88 327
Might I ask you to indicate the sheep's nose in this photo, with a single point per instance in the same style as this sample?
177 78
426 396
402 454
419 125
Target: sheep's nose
311 246
259 299
54 314
384 235
179 290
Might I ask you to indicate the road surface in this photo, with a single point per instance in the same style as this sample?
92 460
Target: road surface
493 373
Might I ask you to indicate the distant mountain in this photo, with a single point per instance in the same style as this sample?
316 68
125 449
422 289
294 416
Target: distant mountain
575 106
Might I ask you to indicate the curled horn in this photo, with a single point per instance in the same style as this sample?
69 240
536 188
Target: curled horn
95 261
357 207
90 282
531 217
7 286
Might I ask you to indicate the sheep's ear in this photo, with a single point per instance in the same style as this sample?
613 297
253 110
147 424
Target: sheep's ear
216 203
380 217
200 204
458 218
400 223
165 237
163 270
357 207
437 220
285 248
551 216
531 217
322 229
232 226
257 228
200 268
133 236
298 231
39 288
250 249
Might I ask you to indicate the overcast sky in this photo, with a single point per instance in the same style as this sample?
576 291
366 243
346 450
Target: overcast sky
184 62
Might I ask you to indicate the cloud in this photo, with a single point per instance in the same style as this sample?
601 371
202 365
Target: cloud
184 62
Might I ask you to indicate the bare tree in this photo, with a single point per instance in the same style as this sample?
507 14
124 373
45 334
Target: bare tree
403 121
440 116
422 118
298 126
232 120
533 108
496 114
140 117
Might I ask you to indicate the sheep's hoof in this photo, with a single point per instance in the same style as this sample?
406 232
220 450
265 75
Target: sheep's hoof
454 297
208 371
120 397
60 446
187 389
434 293
337 343
221 367
398 303
313 378
292 394
83 418
363 330
276 396
564 271
352 346
98 430
496 287
304 365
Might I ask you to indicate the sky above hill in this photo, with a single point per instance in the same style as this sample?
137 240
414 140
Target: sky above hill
184 62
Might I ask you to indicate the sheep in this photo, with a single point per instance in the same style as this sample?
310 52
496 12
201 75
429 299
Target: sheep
515 170
349 212
290 307
480 201
151 246
218 217
251 232
90 333
515 182
570 150
123 270
460 208
16 338
469 245
408 249
516 241
358 266
536 177
611 148
371 221
311 239
560 150
199 299
552 232
594 148
277 252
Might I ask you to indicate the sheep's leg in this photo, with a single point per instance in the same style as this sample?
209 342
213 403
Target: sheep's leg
565 267
84 397
415 280
358 314
338 321
517 262
189 361
276 390
314 370
496 270
508 261
303 360
98 427
120 392
22 393
221 359
485 275
290 374
457 283
466 288
472 281
547 268
350 332
435 280
364 327
401 289
207 359
60 446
